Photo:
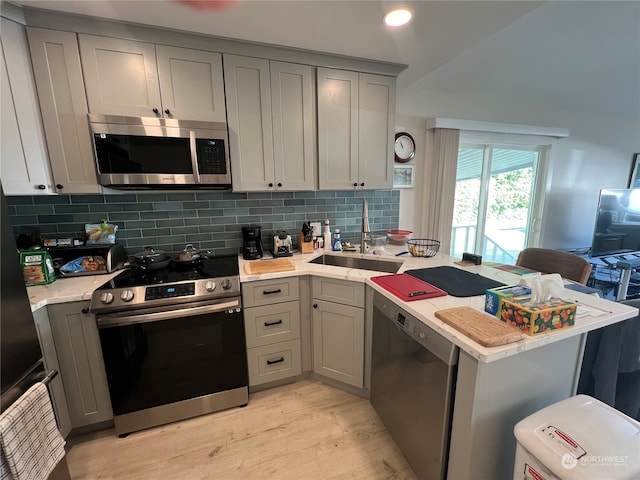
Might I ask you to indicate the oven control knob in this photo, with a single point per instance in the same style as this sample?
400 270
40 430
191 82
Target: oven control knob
226 284
106 297
126 296
210 286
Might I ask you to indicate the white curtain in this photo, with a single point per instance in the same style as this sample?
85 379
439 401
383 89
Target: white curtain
439 183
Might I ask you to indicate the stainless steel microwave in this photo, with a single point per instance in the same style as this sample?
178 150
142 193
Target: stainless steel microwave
141 152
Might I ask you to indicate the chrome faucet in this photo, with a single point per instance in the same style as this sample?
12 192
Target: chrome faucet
365 239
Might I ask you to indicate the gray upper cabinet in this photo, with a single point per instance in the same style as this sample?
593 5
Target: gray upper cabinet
127 77
58 75
356 113
191 84
24 166
270 110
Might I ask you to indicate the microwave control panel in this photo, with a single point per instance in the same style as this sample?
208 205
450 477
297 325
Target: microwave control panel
211 157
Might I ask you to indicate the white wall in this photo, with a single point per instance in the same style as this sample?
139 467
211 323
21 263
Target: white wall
410 199
597 154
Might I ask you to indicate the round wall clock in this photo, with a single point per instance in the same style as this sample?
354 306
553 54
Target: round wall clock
405 147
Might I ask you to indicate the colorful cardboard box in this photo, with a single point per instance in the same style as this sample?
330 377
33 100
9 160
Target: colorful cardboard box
494 295
553 314
37 267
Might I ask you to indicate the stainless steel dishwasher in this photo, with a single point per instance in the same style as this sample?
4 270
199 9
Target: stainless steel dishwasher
413 373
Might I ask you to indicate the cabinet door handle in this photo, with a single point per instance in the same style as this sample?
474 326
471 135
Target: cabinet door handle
355 184
271 324
269 292
279 184
41 187
362 184
85 310
59 186
156 111
315 305
167 111
271 185
279 360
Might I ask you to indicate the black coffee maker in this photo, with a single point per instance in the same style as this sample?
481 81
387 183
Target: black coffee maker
251 242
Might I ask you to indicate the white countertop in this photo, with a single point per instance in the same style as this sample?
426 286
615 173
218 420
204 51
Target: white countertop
599 312
63 290
594 312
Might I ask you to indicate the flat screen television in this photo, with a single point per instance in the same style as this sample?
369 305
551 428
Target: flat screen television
617 228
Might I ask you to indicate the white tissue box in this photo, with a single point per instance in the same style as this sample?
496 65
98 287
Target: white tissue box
554 314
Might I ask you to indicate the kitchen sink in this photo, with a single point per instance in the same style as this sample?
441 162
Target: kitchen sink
374 264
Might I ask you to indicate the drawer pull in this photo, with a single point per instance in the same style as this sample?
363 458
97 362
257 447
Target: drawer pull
271 324
279 360
269 292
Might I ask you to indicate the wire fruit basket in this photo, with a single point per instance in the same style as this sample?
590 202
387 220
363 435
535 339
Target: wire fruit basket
423 247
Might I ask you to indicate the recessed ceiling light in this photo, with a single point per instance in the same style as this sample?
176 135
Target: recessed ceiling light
397 17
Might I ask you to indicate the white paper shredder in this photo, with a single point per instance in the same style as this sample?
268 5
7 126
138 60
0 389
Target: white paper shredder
577 438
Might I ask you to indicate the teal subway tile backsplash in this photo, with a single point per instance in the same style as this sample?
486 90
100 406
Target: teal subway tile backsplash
208 220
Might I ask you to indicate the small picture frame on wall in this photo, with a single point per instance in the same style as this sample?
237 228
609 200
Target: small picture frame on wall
403 176
634 178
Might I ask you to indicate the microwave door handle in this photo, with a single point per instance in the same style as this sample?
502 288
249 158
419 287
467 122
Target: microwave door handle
194 156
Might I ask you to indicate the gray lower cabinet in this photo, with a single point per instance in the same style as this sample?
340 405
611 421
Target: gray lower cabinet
77 344
272 327
50 356
338 330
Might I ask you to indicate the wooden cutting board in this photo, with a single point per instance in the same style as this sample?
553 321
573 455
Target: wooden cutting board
479 326
258 267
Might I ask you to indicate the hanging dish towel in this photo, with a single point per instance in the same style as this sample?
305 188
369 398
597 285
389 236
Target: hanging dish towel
31 443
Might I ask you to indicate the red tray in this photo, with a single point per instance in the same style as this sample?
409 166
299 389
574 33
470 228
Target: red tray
407 287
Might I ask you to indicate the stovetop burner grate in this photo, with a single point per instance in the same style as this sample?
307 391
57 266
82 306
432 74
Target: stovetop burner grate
207 268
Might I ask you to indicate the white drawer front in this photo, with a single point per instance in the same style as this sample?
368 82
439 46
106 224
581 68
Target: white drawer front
265 292
274 362
338 291
272 323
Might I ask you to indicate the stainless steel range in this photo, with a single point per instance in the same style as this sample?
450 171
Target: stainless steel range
173 342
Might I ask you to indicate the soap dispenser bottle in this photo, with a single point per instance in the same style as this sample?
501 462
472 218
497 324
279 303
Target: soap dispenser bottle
337 244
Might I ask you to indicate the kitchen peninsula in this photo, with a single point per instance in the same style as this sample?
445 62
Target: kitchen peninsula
495 388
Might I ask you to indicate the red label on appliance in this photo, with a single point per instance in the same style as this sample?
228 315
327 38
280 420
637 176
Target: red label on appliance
560 441
531 474
566 438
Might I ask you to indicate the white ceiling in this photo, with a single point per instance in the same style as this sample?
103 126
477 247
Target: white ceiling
576 55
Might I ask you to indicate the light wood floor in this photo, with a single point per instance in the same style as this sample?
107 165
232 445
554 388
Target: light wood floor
305 430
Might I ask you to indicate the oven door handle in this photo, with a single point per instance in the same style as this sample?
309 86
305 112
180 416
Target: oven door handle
117 321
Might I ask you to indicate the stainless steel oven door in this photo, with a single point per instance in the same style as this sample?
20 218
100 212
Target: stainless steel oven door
167 356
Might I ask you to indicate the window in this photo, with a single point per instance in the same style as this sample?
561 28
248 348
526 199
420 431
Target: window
497 198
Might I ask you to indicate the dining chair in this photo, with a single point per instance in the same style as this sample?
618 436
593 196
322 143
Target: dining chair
545 260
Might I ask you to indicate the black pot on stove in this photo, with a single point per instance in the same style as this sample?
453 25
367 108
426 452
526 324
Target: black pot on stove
188 257
151 259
